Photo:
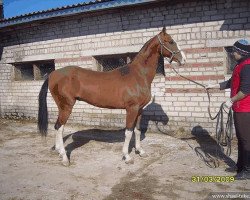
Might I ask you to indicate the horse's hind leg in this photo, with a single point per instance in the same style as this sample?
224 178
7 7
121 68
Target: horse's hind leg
59 126
62 152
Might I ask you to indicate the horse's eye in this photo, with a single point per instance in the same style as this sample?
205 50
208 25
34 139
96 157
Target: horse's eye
171 42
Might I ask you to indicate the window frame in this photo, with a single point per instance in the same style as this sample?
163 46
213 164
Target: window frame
36 70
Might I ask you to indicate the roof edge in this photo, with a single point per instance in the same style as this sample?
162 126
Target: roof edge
70 10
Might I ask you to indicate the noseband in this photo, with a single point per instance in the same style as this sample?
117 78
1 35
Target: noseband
173 53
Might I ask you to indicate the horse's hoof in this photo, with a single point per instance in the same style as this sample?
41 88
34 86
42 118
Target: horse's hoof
65 163
129 162
61 154
54 151
128 159
141 153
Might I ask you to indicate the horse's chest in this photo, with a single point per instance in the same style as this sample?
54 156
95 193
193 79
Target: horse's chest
141 93
146 95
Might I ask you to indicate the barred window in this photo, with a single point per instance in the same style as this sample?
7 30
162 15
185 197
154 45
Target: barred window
36 70
24 71
110 62
230 61
43 69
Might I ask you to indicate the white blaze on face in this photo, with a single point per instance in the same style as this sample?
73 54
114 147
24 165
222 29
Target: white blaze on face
183 61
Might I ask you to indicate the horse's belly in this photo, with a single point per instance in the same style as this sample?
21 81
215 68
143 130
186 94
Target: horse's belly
101 99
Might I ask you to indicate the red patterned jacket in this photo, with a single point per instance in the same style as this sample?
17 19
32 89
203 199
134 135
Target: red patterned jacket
242 105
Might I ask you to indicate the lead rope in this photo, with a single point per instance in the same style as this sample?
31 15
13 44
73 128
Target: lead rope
223 136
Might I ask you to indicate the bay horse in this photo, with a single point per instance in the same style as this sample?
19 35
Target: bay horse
127 87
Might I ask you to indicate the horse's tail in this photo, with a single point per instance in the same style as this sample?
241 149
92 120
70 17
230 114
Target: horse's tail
43 110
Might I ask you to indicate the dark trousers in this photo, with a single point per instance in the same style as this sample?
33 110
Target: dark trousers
242 128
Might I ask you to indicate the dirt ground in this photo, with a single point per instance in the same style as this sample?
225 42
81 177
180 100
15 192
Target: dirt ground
29 169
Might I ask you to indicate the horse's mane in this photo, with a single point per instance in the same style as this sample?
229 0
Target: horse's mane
146 45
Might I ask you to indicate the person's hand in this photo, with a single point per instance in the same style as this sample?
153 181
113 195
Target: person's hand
228 104
210 86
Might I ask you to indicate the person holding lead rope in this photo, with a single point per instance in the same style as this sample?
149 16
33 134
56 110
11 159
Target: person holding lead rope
240 102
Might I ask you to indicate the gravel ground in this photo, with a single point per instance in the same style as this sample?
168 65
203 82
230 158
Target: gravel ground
29 169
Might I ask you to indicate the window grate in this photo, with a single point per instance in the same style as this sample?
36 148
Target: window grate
110 62
24 72
36 70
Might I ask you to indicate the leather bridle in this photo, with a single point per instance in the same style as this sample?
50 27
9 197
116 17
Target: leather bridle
173 53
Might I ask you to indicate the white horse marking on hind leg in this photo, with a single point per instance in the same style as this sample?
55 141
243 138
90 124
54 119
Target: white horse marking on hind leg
57 143
62 151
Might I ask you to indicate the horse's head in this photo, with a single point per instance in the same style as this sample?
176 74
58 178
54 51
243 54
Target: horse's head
169 48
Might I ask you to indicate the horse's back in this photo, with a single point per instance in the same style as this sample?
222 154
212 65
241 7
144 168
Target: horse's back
102 89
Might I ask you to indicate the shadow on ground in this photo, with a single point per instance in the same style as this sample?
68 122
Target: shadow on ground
209 150
81 138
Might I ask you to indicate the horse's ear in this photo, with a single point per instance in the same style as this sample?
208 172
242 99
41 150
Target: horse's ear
164 29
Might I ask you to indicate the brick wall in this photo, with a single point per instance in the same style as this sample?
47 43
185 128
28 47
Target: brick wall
201 28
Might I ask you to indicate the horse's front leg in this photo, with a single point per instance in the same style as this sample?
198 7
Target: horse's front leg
56 148
132 113
138 147
128 136
137 131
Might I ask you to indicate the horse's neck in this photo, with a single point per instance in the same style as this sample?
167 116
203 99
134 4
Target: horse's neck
147 60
